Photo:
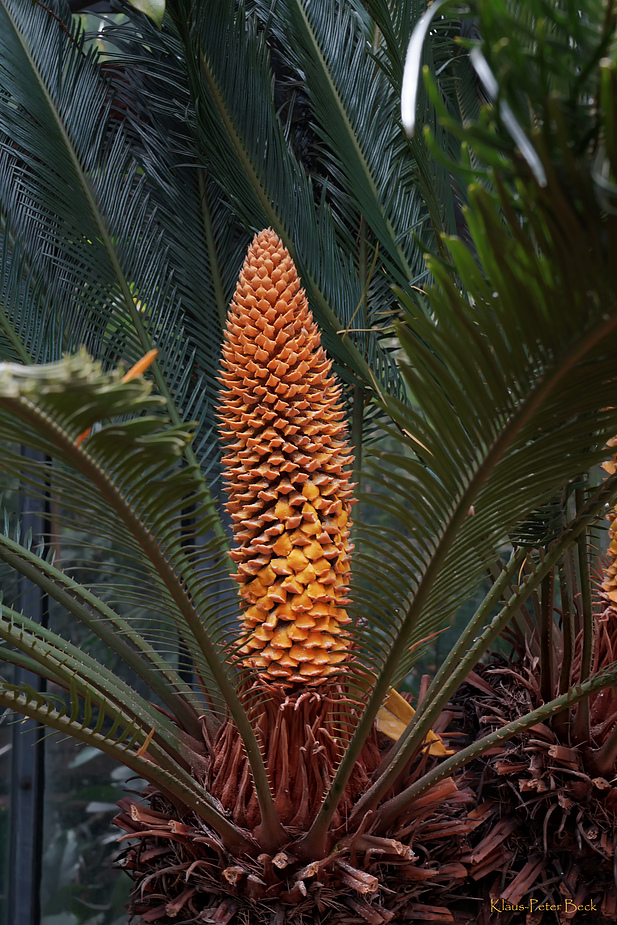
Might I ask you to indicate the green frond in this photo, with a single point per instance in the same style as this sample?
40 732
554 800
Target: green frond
72 668
22 308
132 471
117 633
483 629
507 408
82 213
530 384
456 88
329 46
123 741
600 681
233 132
205 244
129 187
133 466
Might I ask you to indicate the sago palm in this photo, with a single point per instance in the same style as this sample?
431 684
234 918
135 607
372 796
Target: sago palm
130 190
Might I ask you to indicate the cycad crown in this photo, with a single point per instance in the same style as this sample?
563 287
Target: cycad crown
289 491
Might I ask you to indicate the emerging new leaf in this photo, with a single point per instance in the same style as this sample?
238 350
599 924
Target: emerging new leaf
287 481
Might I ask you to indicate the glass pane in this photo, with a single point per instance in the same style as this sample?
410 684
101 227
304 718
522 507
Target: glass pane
79 884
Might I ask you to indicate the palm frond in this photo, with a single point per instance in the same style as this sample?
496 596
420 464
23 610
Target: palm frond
483 629
28 333
68 666
505 369
132 471
206 245
114 631
125 740
81 211
456 89
529 423
75 400
597 682
234 133
329 46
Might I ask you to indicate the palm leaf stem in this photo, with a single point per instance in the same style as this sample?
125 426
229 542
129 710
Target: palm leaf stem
43 669
12 337
446 682
175 783
464 644
545 387
393 809
79 458
112 630
215 271
473 642
69 675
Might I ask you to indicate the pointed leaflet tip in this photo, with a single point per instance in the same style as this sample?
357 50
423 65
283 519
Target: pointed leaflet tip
413 64
140 366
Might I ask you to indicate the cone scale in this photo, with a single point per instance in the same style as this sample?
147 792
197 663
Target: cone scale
286 470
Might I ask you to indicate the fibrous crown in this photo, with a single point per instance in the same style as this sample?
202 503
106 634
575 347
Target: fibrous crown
288 485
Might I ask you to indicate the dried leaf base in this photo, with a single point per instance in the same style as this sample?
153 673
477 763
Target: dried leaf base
303 737
547 825
184 874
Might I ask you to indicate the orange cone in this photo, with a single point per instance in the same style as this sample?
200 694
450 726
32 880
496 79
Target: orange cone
287 473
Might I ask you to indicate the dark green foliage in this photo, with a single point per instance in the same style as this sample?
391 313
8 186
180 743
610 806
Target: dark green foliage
129 188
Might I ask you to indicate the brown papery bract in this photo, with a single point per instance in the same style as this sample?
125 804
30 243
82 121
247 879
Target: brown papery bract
287 473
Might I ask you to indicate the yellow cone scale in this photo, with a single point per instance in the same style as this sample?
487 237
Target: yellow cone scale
286 470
